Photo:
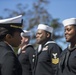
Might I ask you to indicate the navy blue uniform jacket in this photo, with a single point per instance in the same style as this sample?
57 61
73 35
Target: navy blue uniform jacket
47 59
9 64
26 59
67 64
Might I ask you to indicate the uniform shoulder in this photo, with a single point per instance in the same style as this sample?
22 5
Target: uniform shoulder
54 47
64 52
29 46
53 44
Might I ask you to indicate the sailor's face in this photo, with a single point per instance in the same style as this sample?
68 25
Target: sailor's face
16 39
24 39
70 33
41 36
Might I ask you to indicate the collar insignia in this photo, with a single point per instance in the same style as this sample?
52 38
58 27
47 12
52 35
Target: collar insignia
45 48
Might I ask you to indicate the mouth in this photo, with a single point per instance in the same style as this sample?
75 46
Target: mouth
66 36
37 39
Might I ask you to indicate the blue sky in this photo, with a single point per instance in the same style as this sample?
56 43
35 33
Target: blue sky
61 9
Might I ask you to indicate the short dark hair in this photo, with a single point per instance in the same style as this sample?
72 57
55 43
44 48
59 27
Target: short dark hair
75 27
49 34
8 30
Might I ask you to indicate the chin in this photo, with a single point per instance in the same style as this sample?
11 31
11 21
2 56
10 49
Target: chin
67 40
38 42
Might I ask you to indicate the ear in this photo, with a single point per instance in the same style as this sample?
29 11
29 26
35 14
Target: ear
8 36
48 35
26 39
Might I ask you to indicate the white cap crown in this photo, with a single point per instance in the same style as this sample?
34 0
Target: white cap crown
70 21
45 27
15 22
25 33
16 19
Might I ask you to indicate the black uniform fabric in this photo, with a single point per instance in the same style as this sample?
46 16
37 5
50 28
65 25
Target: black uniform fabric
9 64
46 60
67 64
26 60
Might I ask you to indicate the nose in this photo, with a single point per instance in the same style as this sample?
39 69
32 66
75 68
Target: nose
36 35
66 32
21 38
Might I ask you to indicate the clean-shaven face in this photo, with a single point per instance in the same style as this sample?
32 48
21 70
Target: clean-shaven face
70 33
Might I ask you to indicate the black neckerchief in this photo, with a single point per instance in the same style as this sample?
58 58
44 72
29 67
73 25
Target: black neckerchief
65 57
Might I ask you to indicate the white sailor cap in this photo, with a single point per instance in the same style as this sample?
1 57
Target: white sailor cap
15 22
25 33
45 27
70 21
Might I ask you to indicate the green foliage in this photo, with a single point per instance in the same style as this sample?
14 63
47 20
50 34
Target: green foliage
16 49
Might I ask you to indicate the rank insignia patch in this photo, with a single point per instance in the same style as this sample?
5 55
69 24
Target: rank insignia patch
54 55
45 48
55 60
23 51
